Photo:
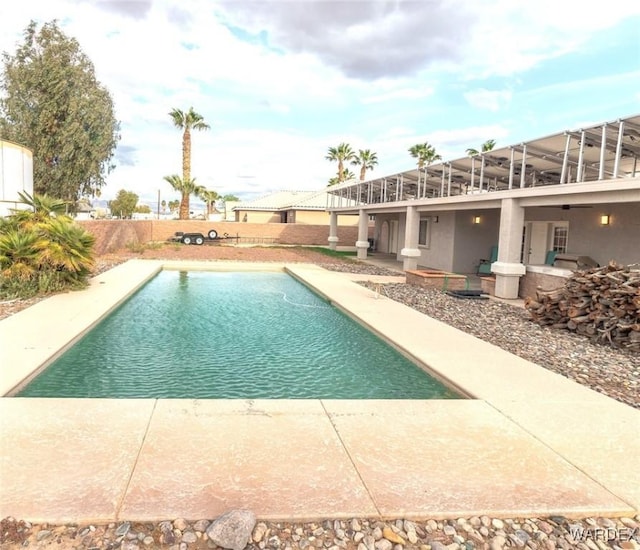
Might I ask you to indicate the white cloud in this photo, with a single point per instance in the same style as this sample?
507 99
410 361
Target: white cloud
402 94
488 99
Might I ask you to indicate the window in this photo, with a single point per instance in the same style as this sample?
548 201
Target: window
560 235
423 232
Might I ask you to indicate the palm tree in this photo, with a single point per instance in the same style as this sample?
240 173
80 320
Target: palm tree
486 146
185 188
425 153
366 159
209 198
187 121
342 153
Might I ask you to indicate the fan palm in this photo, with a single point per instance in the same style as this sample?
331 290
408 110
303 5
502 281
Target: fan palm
425 153
187 121
366 159
209 197
342 153
185 188
486 146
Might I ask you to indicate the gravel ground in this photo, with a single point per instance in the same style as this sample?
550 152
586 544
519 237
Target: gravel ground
355 534
613 372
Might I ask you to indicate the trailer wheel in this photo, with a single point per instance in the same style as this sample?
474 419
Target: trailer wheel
199 240
186 240
213 234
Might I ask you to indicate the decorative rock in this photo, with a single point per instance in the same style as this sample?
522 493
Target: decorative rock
148 540
497 543
432 526
437 545
377 533
355 525
486 521
180 523
545 527
189 537
369 542
43 534
628 522
497 523
383 544
129 545
259 532
358 536
123 529
391 536
449 530
201 525
629 545
233 529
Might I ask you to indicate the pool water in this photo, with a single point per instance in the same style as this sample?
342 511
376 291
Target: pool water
232 335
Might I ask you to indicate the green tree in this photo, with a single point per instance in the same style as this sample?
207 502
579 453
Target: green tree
366 159
124 204
52 103
230 198
174 205
342 153
486 146
209 197
187 121
42 250
142 209
186 189
425 153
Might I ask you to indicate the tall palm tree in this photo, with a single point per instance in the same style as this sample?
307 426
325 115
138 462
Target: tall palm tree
367 159
342 153
486 146
185 188
425 153
187 121
209 197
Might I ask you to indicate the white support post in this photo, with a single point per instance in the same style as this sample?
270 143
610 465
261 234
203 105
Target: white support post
473 173
508 268
523 169
362 244
411 252
481 173
333 230
442 183
580 158
400 193
449 181
511 169
603 148
565 161
616 164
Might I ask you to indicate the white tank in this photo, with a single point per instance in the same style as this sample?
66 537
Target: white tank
16 175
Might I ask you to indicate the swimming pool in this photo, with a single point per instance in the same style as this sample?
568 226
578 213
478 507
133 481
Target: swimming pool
196 334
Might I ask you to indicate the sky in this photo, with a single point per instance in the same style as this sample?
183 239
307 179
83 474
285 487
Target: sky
281 81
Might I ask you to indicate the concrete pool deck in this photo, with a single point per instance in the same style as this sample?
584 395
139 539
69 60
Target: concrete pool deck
528 443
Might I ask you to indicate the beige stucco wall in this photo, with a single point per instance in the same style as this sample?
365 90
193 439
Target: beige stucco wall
473 242
257 216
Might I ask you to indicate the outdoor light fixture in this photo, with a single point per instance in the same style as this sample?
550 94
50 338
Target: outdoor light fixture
476 220
605 219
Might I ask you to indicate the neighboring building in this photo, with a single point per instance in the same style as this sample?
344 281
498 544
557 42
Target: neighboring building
575 192
304 207
16 175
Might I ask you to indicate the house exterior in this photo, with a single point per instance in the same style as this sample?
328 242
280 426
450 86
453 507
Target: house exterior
16 175
302 207
575 193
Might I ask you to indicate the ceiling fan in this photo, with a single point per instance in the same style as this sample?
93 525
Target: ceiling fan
568 206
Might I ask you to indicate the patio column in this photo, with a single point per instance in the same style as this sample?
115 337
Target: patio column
508 268
333 230
362 244
410 252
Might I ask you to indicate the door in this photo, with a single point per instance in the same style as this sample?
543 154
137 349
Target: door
538 240
393 237
383 239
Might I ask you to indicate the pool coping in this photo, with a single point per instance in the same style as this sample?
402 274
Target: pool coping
584 440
